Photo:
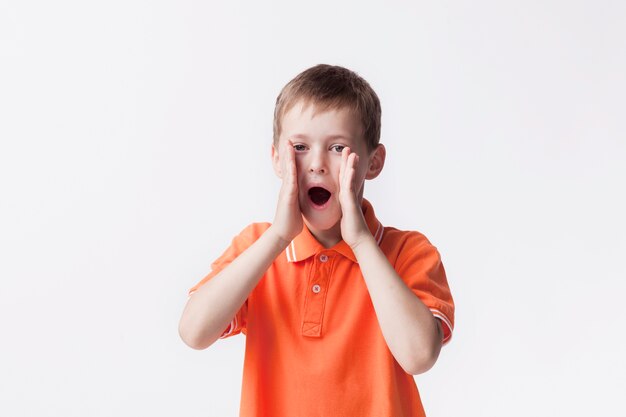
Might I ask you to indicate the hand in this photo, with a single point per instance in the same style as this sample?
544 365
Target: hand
288 219
353 226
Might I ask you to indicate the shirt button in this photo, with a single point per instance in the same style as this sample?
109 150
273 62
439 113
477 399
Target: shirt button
316 288
323 258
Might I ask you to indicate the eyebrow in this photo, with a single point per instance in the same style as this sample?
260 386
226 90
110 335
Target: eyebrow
303 136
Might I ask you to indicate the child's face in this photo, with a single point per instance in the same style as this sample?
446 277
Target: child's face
318 138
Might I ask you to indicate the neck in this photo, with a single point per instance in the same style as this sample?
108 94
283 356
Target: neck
328 238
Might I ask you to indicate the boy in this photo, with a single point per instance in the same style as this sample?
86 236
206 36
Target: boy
339 311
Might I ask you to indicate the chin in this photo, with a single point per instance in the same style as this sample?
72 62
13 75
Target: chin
322 220
322 224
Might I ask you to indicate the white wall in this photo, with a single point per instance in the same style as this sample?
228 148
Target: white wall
135 141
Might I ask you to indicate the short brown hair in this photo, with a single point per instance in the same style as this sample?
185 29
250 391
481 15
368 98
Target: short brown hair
332 87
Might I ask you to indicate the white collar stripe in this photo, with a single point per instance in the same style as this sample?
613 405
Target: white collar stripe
380 230
231 328
293 251
445 319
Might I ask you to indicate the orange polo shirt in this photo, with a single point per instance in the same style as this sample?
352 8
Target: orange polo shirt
313 343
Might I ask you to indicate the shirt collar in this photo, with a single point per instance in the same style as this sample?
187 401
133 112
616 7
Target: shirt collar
305 245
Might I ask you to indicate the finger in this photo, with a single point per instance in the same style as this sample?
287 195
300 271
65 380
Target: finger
341 164
290 179
282 154
354 163
345 152
350 171
291 161
287 159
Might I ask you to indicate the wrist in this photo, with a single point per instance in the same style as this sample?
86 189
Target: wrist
276 237
366 240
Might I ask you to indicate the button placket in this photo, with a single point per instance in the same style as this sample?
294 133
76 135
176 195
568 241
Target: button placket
315 298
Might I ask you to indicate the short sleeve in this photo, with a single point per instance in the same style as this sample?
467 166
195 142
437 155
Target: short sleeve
239 244
419 264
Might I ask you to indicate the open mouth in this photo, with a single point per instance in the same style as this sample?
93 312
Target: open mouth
319 196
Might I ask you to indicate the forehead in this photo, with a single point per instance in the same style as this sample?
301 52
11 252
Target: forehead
312 119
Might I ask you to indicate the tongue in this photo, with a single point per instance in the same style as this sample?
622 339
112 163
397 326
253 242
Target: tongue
319 195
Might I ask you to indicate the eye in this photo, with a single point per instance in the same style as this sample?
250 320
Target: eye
299 147
337 148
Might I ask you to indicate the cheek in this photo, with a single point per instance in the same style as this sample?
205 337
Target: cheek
360 179
335 166
361 173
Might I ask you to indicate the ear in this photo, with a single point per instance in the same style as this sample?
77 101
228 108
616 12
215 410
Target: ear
276 162
376 162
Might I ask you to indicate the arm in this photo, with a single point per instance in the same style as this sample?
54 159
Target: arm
215 303
414 336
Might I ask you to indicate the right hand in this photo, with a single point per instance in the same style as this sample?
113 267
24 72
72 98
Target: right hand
288 219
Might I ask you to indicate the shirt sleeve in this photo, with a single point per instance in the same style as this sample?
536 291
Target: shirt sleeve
419 264
238 245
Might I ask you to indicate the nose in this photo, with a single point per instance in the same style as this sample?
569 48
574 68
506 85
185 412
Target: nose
317 163
320 170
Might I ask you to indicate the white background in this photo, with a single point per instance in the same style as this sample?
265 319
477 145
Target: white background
135 140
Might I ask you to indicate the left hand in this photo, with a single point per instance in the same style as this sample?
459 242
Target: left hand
353 226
